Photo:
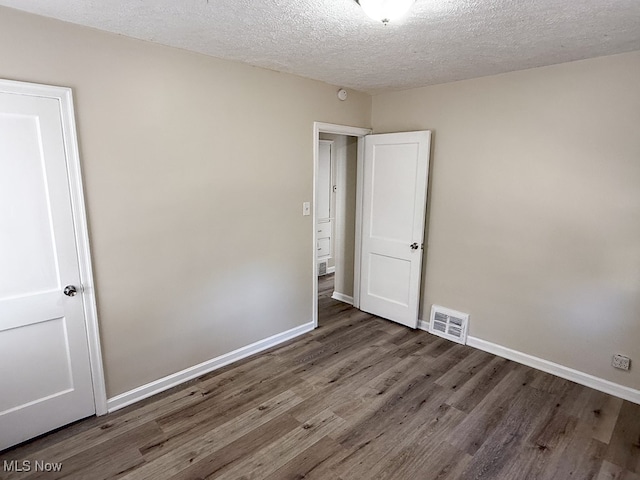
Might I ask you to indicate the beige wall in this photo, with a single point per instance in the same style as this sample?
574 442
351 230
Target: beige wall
534 221
349 220
195 173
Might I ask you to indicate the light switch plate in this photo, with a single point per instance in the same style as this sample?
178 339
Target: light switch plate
306 208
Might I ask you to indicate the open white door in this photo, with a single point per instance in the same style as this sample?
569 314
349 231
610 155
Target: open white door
45 373
394 190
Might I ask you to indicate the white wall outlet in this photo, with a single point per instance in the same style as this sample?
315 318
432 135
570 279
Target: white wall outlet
621 362
306 208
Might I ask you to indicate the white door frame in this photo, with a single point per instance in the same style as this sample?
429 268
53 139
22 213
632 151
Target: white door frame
360 133
74 174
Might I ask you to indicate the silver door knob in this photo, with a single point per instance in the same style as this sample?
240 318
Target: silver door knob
414 246
70 291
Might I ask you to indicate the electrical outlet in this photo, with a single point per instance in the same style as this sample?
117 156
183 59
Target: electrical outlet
621 362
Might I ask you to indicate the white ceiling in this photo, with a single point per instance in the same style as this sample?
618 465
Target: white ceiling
333 41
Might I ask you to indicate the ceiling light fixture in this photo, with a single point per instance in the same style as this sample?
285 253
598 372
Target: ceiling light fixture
386 11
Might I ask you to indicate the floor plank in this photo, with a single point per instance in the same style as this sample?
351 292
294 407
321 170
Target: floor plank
358 398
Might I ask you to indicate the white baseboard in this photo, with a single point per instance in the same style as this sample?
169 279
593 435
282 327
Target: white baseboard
341 297
162 384
331 270
561 371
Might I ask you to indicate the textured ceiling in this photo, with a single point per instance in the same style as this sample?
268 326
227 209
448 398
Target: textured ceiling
333 41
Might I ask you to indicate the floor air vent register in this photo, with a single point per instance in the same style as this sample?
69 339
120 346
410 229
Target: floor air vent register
449 324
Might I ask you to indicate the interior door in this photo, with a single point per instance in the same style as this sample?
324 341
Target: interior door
324 207
396 167
45 377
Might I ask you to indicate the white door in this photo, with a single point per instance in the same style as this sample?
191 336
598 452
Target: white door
396 167
324 205
45 375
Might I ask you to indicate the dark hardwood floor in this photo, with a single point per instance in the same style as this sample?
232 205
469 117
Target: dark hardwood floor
359 398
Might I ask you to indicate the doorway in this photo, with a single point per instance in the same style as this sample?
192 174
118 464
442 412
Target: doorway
335 215
390 211
337 153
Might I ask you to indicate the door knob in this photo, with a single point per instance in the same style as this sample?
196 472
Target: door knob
414 246
70 291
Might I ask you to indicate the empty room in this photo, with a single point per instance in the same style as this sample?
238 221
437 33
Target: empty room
337 239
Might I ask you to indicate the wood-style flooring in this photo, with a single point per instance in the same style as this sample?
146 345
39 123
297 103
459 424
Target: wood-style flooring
358 398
